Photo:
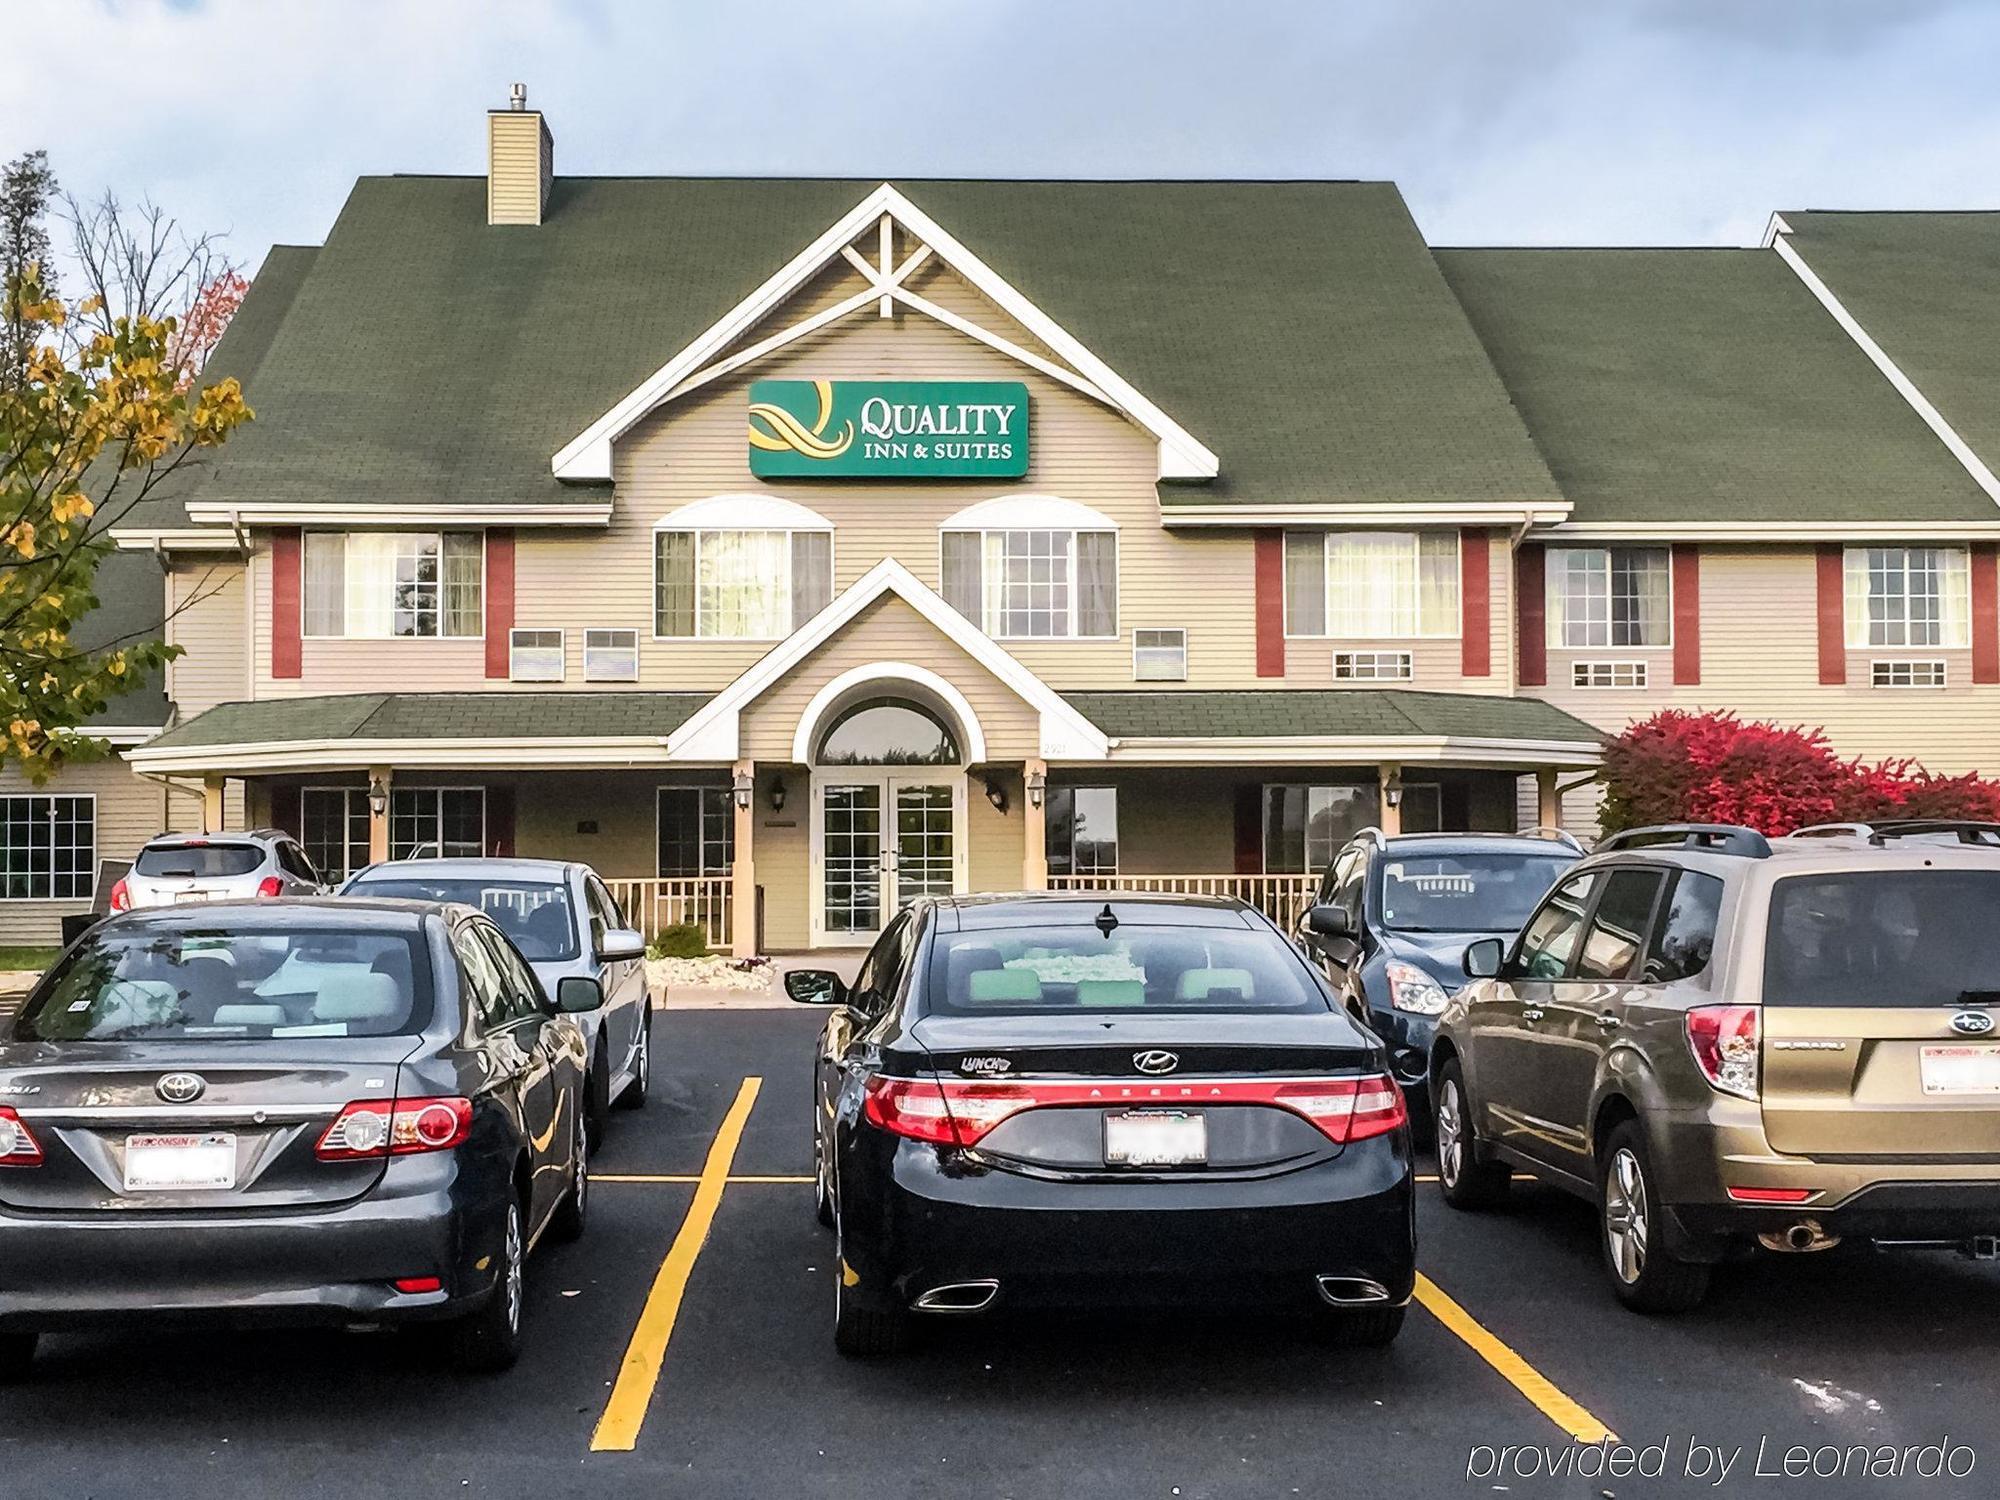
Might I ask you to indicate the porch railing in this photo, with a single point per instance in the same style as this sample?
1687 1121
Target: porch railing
1279 897
654 905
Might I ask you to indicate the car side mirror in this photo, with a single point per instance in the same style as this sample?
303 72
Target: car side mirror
1331 921
579 994
816 987
621 943
1483 958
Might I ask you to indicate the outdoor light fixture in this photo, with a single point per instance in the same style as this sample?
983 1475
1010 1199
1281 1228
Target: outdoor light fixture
1392 789
378 796
777 794
1038 786
996 794
744 788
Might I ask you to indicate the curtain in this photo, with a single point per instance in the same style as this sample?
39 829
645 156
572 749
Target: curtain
464 573
325 583
743 584
1097 583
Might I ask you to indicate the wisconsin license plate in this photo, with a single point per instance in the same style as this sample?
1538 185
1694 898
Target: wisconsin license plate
1961 1070
179 1163
1155 1138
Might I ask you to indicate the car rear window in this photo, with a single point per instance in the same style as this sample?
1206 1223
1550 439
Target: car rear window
535 914
1465 892
1035 970
200 861
1896 938
152 985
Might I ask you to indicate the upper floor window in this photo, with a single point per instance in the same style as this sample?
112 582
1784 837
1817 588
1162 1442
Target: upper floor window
1609 596
1371 584
1032 566
384 584
1908 596
740 567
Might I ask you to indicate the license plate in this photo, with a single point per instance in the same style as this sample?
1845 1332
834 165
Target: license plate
1155 1138
184 898
179 1163
1961 1070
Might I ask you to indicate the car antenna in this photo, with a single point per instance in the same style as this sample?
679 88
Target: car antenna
1107 920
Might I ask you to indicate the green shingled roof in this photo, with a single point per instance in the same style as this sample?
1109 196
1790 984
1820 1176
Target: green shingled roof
1300 330
1369 713
131 607
438 716
1697 385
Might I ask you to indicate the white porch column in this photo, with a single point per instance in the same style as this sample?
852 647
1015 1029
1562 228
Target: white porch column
743 872
1034 832
212 791
384 778
1548 801
1389 774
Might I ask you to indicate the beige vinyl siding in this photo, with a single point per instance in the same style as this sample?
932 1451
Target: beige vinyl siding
207 606
130 810
518 156
995 841
412 665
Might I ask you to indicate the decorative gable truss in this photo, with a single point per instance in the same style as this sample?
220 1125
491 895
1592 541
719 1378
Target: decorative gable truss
866 239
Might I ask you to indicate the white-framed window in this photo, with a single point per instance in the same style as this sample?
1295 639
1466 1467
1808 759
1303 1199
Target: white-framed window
383 585
1082 824
1907 674
739 584
535 655
1374 666
1033 584
1908 596
1159 655
333 827
1609 596
49 851
697 831
1304 826
1607 674
437 822
1371 585
611 656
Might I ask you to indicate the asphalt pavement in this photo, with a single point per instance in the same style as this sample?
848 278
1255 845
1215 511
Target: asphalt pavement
664 1360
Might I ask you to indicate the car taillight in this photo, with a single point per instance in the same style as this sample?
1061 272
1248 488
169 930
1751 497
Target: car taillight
400 1127
1727 1041
270 885
18 1146
953 1112
121 895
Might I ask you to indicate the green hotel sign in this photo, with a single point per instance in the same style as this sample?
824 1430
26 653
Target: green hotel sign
889 429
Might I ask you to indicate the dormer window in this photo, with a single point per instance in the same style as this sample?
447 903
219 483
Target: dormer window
740 567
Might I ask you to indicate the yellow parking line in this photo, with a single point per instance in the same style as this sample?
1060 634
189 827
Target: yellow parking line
1516 1371
689 1177
625 1413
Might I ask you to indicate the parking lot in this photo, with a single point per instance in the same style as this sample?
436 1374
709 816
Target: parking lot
660 1365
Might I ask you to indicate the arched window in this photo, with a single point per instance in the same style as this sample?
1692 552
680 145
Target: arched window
1027 566
742 567
888 732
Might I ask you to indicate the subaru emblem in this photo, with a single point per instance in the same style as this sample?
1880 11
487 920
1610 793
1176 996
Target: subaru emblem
181 1088
1155 1061
1972 1023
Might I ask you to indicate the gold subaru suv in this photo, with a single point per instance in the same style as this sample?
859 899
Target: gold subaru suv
1726 1042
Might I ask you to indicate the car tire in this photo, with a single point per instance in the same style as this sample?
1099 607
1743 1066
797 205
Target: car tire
641 1086
572 1216
1464 1180
17 1356
1362 1328
859 1331
597 1098
1645 1275
489 1341
822 1178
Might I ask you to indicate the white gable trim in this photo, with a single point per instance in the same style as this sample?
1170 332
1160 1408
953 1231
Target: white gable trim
587 456
712 734
972 736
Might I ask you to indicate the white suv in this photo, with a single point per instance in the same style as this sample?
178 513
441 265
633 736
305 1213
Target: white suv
178 868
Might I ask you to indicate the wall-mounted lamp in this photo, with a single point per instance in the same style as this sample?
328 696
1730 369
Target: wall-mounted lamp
744 788
996 794
1038 787
775 794
1392 789
378 796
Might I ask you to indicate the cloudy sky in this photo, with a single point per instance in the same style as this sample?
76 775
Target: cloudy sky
1505 121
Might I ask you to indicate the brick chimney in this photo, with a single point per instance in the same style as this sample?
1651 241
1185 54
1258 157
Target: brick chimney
520 161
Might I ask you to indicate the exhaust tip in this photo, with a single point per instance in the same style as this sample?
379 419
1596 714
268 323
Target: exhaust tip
1801 1238
958 1297
1351 1291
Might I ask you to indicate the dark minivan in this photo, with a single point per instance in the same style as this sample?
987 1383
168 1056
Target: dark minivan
287 1112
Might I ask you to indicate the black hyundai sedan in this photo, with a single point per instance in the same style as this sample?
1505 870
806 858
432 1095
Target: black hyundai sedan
287 1112
1043 1101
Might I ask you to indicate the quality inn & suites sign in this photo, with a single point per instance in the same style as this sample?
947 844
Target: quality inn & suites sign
895 429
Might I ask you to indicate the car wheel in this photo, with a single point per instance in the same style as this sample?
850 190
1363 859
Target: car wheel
862 1332
17 1355
822 1178
573 1214
1466 1182
1362 1328
490 1340
641 1085
1644 1274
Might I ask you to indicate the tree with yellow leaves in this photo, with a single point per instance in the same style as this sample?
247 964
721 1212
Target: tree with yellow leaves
89 426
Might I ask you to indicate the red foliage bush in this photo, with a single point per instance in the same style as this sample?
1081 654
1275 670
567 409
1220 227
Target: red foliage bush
1713 768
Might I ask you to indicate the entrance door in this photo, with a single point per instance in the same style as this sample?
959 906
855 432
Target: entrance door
879 842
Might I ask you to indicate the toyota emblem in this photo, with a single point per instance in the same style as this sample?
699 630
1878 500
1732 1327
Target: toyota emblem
1155 1061
1972 1023
181 1088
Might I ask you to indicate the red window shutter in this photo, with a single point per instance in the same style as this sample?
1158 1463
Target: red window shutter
287 657
285 813
1249 830
1475 601
499 600
500 821
1985 613
1531 610
1687 615
1270 604
1832 614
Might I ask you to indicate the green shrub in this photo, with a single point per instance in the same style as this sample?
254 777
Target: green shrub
682 940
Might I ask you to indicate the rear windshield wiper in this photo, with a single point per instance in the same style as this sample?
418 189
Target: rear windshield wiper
1979 997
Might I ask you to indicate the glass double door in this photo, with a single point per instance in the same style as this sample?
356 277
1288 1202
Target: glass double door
881 842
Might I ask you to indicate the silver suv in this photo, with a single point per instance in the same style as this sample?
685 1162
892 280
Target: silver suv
179 868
